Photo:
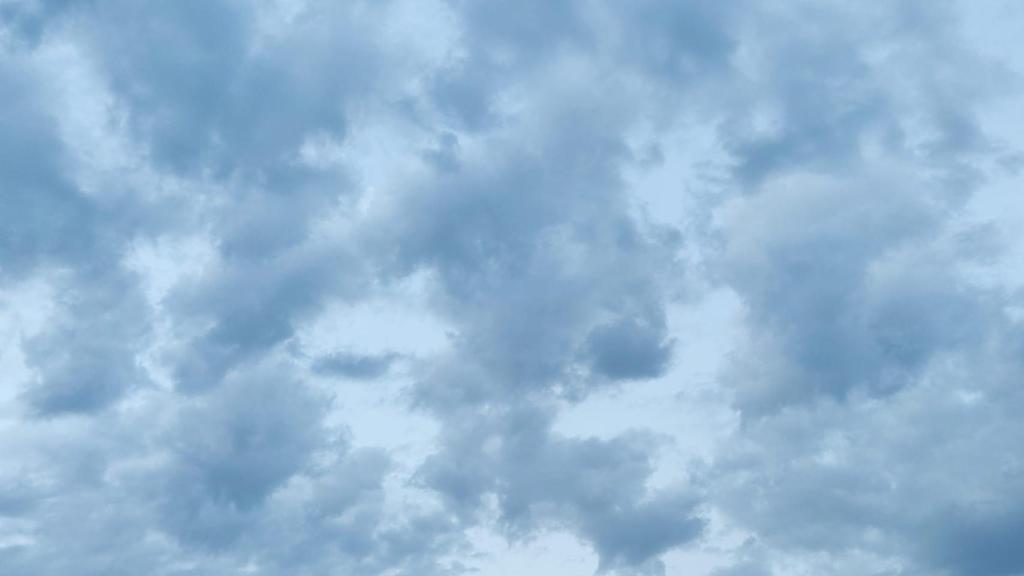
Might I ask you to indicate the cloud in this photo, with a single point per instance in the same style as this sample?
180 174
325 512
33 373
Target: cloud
867 349
596 488
191 191
44 216
355 366
86 356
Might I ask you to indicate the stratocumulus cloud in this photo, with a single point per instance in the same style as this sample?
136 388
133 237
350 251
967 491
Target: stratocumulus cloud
443 287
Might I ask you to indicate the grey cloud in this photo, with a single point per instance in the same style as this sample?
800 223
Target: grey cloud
248 307
213 97
676 42
864 345
210 99
85 358
88 356
555 289
838 421
819 249
878 476
44 217
525 248
230 450
445 156
838 301
826 88
664 43
628 350
541 479
242 450
971 541
355 366
245 477
16 498
500 41
209 94
29 19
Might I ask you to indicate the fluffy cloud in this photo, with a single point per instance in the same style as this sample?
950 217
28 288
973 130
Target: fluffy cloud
188 190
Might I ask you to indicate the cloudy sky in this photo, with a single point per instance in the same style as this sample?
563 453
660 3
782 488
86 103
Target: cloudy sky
544 287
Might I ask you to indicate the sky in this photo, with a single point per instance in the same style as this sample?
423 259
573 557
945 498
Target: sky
546 288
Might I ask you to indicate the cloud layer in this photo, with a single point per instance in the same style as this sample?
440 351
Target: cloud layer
447 287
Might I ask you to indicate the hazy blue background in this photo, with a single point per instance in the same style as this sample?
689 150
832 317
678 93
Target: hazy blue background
541 287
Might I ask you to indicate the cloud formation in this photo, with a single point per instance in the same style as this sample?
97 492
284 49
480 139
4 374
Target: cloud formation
307 287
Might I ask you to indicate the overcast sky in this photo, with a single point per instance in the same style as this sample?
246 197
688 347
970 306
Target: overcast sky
524 288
